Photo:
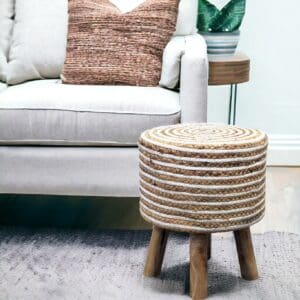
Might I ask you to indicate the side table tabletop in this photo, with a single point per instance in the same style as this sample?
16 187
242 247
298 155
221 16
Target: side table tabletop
229 70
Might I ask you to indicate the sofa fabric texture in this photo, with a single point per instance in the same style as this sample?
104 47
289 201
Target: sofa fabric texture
194 80
6 25
38 41
46 112
106 46
82 171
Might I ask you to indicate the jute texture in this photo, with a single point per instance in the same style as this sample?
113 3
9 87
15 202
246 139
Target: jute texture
108 47
202 177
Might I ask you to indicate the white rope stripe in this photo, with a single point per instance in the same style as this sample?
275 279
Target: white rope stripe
214 151
199 186
197 228
203 212
193 159
213 204
205 134
210 178
202 194
201 221
181 167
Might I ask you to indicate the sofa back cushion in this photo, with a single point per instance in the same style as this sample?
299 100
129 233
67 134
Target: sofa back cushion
6 25
39 37
38 41
107 46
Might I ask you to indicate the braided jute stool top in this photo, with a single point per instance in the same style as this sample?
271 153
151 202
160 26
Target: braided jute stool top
202 177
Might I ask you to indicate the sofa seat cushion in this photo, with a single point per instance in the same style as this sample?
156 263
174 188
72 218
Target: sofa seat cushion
46 112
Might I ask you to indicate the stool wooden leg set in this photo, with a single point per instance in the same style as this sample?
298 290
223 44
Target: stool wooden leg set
202 179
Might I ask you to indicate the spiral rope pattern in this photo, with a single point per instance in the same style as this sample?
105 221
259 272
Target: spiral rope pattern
202 177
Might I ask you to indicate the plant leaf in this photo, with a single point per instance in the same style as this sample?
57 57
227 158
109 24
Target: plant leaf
229 17
206 13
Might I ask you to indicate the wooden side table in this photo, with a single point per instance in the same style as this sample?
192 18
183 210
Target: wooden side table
229 70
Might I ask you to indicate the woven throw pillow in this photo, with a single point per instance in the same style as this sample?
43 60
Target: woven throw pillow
106 46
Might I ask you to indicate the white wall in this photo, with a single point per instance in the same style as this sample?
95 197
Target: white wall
270 36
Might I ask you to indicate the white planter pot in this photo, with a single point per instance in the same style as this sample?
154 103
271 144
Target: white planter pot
221 43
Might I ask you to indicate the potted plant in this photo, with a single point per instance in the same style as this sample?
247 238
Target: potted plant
220 28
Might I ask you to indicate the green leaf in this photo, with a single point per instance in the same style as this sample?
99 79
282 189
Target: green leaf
229 17
206 13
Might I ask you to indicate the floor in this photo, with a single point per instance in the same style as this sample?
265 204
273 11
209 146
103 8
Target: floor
282 201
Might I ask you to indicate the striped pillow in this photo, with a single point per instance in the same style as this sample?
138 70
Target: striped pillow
106 46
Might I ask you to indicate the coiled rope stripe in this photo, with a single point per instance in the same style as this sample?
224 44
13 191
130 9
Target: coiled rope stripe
202 177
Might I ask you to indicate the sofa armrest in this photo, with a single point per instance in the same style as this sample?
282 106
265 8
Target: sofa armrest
194 80
186 57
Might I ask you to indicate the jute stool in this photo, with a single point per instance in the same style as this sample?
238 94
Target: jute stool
201 179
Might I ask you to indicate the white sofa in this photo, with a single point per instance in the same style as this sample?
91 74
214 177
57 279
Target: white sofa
82 140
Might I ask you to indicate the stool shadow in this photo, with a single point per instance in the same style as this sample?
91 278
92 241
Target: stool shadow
220 281
173 279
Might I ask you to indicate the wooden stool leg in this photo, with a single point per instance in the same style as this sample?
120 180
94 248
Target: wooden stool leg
246 254
198 265
209 247
156 252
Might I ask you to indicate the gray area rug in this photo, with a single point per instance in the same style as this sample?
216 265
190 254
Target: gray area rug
52 264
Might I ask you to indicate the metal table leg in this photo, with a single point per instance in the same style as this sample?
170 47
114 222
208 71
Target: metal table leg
232 104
